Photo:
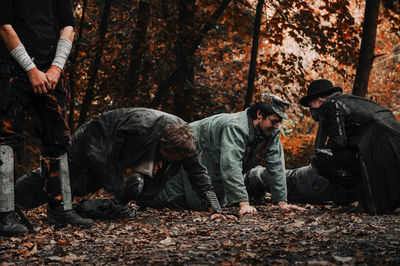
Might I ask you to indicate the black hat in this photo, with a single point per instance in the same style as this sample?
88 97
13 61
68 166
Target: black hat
319 88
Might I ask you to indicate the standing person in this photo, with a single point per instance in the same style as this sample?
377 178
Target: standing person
357 145
229 145
36 39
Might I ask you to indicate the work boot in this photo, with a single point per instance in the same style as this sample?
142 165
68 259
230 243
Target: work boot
10 225
59 210
59 216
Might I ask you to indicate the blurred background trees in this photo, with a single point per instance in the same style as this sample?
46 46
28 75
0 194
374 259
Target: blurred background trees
193 57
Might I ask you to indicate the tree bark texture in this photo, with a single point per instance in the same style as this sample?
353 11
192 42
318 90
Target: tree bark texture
87 100
73 70
173 78
254 54
183 93
366 57
139 48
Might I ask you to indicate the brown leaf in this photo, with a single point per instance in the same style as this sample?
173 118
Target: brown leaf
27 244
62 242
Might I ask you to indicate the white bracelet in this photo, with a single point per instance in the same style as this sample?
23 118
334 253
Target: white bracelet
64 47
21 56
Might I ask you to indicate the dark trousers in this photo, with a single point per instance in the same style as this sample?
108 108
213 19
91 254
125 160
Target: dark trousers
169 195
342 167
17 99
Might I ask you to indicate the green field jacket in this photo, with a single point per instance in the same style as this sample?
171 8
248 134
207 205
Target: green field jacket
226 140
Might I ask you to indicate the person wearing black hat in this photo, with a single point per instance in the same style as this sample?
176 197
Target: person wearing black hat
357 145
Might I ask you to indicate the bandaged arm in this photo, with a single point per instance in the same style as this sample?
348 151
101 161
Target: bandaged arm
64 47
16 48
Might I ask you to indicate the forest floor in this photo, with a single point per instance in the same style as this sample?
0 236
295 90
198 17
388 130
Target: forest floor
319 236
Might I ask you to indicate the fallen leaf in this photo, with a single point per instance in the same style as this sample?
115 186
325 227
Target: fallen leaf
297 224
167 241
62 242
31 251
341 259
228 243
27 244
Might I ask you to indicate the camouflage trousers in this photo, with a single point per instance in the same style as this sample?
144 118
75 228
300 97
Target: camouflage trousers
17 99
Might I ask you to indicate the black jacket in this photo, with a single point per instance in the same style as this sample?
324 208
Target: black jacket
349 121
38 24
120 139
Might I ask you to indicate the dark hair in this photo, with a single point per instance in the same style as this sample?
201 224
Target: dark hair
178 139
265 110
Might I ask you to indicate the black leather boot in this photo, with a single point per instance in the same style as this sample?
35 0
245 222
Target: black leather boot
59 216
59 210
10 225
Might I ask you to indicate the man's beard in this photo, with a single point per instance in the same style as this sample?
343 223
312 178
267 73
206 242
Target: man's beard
268 133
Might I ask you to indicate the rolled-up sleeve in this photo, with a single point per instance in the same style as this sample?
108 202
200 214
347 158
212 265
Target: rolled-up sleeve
65 13
6 12
275 165
233 145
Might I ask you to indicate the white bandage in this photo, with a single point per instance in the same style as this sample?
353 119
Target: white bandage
6 178
65 183
22 57
64 47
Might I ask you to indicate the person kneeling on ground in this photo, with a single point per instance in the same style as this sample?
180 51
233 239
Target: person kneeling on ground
357 145
229 145
150 142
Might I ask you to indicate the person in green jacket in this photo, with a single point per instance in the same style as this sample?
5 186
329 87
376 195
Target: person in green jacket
229 144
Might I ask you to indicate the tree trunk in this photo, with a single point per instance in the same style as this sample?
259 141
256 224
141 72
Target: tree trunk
254 54
366 57
139 47
73 70
173 78
87 100
183 93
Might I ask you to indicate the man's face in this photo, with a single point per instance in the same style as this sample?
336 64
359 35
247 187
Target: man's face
267 124
316 103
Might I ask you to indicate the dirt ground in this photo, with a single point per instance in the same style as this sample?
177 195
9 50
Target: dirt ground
319 236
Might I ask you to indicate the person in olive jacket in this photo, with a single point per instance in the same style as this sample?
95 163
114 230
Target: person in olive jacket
229 145
357 145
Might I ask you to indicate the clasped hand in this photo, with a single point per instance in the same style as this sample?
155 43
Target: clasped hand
42 82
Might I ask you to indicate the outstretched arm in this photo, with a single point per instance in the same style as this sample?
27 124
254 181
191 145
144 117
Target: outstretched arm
276 176
233 144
